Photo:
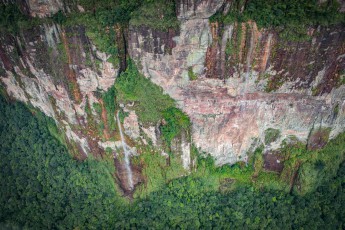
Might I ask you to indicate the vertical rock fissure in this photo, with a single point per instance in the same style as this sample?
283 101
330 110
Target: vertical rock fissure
120 31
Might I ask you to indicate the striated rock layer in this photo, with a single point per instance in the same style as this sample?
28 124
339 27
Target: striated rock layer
294 87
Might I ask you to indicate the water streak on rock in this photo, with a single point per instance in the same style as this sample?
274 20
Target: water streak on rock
126 153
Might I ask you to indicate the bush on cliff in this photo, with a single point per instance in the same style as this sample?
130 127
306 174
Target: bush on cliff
149 100
175 122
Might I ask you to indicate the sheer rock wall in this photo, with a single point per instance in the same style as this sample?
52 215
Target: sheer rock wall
295 87
248 80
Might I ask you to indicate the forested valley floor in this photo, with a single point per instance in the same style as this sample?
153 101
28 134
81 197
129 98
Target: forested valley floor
43 187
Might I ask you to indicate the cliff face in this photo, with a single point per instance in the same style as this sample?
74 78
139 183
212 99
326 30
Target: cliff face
238 84
249 81
39 8
55 70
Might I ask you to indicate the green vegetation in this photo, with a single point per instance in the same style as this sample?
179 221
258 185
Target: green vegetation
290 17
273 82
100 20
148 98
98 29
317 166
158 14
191 75
194 201
188 203
109 104
158 170
91 122
123 115
9 13
12 19
41 186
118 11
271 135
97 107
103 20
175 122
311 168
150 103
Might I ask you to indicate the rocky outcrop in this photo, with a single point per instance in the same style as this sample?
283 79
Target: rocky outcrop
194 9
248 80
229 127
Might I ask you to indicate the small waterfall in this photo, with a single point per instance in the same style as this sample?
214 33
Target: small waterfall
248 61
126 153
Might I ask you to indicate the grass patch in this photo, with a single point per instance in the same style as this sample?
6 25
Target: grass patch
191 75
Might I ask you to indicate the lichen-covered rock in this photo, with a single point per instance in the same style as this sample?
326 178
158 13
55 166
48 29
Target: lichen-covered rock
44 8
318 138
194 9
131 125
150 133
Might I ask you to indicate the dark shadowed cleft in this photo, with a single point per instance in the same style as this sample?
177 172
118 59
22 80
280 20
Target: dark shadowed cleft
318 138
273 162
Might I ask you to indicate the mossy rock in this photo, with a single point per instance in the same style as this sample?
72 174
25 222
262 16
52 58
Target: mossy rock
271 135
292 141
318 138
